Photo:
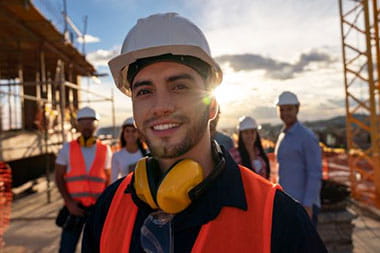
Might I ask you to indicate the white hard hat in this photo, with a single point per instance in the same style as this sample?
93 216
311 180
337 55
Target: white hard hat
158 35
87 112
287 98
246 123
128 122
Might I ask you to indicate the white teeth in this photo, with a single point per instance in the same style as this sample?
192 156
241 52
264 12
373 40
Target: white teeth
164 126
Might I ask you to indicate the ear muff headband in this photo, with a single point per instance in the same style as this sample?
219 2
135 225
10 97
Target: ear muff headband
172 194
142 184
86 143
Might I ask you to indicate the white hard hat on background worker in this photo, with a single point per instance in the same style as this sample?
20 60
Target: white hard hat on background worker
246 123
87 112
129 122
287 98
162 34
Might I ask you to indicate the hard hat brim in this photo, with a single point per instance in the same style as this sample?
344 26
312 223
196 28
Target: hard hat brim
89 117
119 64
287 103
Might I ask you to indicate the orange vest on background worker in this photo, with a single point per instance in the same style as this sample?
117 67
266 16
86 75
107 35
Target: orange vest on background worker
84 186
233 230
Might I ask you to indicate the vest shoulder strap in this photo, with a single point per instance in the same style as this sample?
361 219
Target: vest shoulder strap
77 163
98 165
118 227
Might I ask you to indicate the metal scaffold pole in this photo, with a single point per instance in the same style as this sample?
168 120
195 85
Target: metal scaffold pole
40 88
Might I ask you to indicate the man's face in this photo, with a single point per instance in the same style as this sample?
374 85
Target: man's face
87 127
288 114
169 108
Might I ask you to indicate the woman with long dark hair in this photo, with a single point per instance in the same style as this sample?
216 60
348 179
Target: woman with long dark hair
250 152
132 150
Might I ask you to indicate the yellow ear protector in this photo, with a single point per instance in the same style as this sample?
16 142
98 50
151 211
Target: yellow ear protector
86 143
182 183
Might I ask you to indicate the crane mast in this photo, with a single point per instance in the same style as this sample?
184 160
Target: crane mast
359 20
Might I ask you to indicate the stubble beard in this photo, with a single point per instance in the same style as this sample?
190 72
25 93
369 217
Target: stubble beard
165 150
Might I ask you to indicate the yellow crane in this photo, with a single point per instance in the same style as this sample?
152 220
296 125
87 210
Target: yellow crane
361 62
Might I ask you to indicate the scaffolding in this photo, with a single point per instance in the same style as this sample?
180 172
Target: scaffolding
361 62
40 90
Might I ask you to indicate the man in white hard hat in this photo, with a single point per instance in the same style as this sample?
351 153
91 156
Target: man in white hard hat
82 173
189 196
299 157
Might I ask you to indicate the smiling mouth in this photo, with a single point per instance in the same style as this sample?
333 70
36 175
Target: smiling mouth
163 127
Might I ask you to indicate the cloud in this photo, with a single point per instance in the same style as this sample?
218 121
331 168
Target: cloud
274 69
339 102
88 39
101 57
264 112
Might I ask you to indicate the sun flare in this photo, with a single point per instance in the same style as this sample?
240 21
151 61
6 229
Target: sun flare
226 94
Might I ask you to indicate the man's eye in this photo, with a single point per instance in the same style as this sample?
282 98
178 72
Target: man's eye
142 92
180 87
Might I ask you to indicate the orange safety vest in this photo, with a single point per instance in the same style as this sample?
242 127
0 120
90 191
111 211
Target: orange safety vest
84 186
233 230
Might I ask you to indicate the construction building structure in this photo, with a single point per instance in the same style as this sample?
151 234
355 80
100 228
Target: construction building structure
361 61
40 90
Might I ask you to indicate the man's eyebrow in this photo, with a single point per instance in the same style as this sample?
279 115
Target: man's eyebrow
141 83
169 79
180 76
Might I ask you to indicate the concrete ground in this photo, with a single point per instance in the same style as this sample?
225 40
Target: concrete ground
366 236
32 227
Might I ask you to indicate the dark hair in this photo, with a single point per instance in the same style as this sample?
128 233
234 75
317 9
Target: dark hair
195 63
123 143
245 156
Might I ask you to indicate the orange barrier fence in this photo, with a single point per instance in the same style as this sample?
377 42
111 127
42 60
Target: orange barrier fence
354 170
335 166
5 198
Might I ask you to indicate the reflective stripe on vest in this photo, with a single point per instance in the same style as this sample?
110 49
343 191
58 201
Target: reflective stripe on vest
233 230
82 185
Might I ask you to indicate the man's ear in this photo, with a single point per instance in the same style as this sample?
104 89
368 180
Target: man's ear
298 108
214 107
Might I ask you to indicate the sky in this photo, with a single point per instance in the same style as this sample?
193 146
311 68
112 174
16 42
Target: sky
263 46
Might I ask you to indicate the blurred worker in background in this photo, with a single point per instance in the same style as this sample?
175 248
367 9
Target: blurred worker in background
221 138
189 196
132 150
250 152
82 172
299 157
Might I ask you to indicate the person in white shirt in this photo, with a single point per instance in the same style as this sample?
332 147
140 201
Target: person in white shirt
132 149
